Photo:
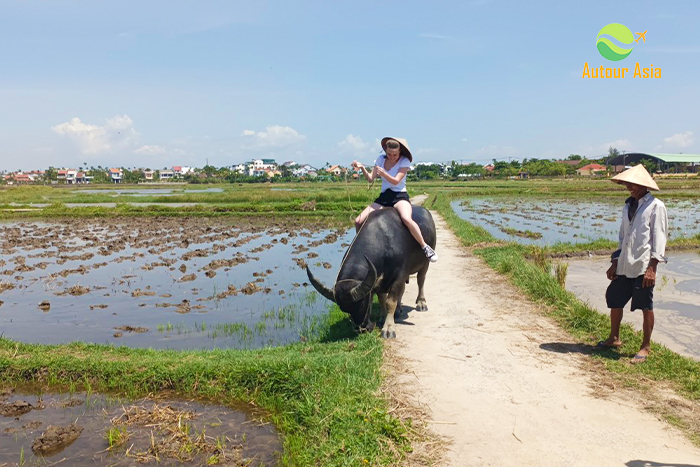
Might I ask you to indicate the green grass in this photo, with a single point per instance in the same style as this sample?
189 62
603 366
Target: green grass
322 396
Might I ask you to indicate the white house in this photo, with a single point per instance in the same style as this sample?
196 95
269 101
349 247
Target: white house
304 170
167 174
180 171
115 175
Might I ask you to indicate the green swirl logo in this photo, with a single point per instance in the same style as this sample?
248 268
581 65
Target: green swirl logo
607 49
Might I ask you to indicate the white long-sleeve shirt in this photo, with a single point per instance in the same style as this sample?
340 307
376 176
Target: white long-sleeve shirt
643 237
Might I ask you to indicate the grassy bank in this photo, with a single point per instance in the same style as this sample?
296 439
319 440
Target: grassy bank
528 268
323 396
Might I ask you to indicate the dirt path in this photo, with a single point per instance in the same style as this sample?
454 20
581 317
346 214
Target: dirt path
508 387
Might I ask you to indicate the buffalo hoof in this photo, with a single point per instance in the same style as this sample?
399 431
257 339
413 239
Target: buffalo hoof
388 334
421 306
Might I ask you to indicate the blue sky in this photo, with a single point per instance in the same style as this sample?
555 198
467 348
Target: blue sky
161 83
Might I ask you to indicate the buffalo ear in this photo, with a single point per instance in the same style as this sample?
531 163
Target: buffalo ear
322 289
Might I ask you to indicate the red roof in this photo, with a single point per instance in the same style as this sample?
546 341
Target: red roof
115 171
62 172
177 168
593 167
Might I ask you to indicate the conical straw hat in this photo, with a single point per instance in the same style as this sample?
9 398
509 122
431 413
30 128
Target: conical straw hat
404 151
637 175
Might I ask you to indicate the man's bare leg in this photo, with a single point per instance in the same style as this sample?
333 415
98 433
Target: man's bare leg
613 339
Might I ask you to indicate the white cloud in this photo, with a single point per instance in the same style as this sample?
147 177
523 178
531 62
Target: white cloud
274 137
150 150
117 133
465 140
353 143
680 140
620 145
354 147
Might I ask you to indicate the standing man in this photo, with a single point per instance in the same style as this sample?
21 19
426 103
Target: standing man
642 246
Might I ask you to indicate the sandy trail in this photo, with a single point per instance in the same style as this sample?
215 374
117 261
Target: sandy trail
507 386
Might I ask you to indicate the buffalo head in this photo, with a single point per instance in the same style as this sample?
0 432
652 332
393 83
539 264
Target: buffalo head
353 296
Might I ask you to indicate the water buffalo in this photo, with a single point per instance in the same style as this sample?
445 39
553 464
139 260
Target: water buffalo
380 259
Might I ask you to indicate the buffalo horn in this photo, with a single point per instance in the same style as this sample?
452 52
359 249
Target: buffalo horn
322 289
360 290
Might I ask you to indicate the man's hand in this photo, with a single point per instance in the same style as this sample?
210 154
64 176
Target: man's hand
649 278
612 271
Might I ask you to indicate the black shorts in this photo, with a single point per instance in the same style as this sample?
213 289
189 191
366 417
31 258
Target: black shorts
389 197
623 288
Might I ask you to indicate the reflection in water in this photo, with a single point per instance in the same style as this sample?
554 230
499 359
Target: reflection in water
190 284
547 221
178 429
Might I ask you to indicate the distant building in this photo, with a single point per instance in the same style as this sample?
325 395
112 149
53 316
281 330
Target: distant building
336 170
116 175
167 174
180 171
591 169
304 170
148 175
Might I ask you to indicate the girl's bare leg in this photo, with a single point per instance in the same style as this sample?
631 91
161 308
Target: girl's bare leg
359 220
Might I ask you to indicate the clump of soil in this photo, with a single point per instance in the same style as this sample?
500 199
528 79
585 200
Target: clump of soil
55 438
45 305
141 293
101 305
75 291
210 273
6 286
14 409
188 277
250 288
128 328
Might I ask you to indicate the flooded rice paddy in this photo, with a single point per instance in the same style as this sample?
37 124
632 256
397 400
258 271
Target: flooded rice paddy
676 298
90 429
165 283
547 221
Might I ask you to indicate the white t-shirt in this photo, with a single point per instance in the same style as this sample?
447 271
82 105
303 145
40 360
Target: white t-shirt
402 163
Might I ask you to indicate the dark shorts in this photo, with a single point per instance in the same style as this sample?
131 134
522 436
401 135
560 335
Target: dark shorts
389 198
623 288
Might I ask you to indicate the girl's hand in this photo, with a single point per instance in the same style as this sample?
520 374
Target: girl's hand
381 172
357 165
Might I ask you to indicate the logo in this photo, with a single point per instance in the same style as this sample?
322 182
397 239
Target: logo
614 53
607 48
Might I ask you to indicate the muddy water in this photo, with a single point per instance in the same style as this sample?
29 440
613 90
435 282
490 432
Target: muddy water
161 283
546 221
233 433
676 298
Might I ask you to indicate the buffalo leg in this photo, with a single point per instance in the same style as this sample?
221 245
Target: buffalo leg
421 304
389 303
